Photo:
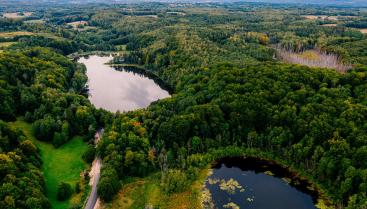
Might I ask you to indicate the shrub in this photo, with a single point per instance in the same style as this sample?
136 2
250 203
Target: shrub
89 154
59 139
108 185
64 191
175 181
77 187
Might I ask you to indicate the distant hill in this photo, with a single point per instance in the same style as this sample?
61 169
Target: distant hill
354 3
351 3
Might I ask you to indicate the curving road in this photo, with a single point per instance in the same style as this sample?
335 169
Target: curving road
95 175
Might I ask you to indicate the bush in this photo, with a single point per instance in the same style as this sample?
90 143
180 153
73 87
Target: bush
175 181
77 187
45 128
59 139
192 173
28 117
108 185
89 154
64 191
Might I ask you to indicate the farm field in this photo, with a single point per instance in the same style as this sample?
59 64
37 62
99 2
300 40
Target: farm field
17 15
4 45
15 33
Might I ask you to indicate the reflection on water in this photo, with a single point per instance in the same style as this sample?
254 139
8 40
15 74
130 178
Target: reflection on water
256 184
119 90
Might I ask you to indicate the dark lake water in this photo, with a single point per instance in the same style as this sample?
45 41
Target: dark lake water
122 90
257 184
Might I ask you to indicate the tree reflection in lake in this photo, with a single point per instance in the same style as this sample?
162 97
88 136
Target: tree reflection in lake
119 90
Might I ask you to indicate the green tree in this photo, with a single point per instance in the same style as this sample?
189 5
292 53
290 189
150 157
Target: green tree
64 191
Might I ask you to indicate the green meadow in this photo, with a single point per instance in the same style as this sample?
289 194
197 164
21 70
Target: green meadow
62 164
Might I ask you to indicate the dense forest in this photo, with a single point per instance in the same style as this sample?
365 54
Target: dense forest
46 88
22 183
233 95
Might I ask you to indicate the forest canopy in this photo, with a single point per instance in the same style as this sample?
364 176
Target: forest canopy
233 95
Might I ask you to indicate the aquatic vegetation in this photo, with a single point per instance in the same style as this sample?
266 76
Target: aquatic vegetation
230 186
311 188
269 173
287 180
206 199
212 181
231 205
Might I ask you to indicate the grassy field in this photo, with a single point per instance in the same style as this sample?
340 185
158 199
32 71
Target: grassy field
61 164
26 33
15 33
4 45
34 21
16 15
137 193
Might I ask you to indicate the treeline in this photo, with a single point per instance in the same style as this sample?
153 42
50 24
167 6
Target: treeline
358 23
9 24
21 181
64 47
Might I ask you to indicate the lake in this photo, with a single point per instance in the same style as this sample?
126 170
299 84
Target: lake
116 89
256 184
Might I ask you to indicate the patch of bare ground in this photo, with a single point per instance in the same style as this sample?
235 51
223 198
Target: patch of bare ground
78 23
326 17
329 25
17 15
313 58
323 17
364 31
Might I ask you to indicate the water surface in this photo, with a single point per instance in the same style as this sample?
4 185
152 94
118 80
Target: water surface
257 184
119 90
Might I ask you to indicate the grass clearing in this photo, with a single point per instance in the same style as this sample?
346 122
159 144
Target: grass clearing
17 15
329 25
138 193
62 164
15 33
326 17
34 22
77 23
4 45
81 25
322 17
27 33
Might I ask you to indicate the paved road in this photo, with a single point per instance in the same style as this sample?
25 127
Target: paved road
92 199
96 172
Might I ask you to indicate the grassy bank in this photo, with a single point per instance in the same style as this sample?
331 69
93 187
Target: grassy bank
138 193
61 164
